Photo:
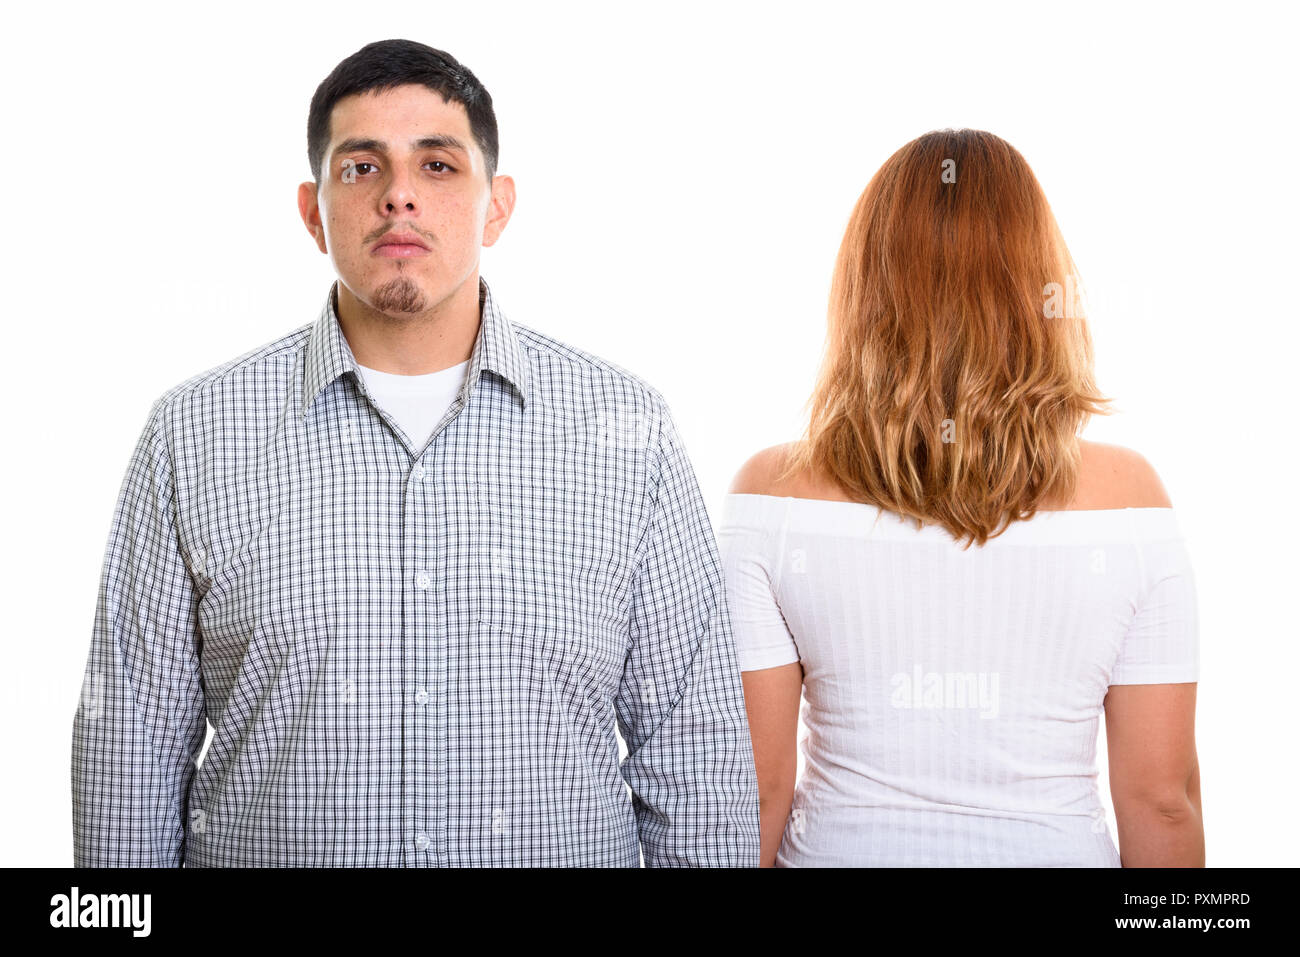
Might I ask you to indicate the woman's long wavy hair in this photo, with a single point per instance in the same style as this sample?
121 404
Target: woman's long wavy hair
957 370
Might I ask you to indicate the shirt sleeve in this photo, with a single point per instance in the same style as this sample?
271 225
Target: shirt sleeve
140 723
749 541
680 704
1161 644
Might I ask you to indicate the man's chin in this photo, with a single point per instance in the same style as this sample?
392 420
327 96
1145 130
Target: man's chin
400 296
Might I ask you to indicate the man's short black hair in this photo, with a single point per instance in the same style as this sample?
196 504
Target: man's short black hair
385 64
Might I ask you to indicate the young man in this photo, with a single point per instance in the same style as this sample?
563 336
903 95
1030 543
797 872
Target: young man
412 562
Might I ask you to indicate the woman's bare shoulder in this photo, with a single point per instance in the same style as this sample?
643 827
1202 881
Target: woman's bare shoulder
765 473
1112 476
761 472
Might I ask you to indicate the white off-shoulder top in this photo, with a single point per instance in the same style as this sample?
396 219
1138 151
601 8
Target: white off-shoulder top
951 697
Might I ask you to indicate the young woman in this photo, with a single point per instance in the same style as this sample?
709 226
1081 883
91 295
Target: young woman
956 582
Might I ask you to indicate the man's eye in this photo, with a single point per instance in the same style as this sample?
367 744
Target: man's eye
359 165
439 163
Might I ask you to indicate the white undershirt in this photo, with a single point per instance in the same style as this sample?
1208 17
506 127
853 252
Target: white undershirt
951 698
416 402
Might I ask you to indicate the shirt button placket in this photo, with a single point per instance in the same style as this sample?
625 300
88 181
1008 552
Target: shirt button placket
423 657
433 533
420 732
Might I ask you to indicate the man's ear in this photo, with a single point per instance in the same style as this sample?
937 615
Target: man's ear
500 206
309 210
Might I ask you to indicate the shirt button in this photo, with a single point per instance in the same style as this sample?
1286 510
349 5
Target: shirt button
422 580
422 841
417 473
422 697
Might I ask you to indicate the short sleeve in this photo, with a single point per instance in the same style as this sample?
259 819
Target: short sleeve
1161 645
749 536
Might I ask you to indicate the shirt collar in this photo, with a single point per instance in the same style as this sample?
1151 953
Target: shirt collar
496 350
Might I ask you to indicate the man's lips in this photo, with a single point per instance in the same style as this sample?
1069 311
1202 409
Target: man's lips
400 246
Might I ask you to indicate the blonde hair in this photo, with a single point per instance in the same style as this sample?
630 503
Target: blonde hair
952 388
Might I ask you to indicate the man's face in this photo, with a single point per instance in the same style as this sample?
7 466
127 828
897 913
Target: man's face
403 162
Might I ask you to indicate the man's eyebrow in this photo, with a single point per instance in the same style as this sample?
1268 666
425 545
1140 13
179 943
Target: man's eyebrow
440 141
365 144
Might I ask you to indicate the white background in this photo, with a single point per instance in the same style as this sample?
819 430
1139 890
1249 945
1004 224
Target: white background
684 172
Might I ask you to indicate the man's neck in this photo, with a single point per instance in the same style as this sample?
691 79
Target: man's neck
413 343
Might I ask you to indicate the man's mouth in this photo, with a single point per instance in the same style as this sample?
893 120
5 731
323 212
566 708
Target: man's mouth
400 245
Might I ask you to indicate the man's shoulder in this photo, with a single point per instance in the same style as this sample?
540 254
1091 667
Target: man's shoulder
610 379
248 368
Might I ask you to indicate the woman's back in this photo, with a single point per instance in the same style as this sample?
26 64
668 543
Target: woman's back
952 696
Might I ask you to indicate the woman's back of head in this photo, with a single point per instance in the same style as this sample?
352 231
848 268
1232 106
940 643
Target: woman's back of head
958 365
